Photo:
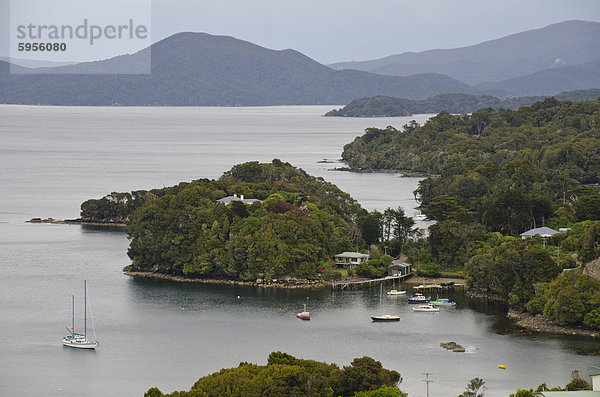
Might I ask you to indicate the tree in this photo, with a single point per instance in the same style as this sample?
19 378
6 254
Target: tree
153 392
577 383
238 208
508 213
452 243
384 391
403 225
566 307
588 207
370 226
592 319
475 388
444 207
364 374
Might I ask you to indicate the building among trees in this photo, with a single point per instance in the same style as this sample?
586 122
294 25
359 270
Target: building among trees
349 260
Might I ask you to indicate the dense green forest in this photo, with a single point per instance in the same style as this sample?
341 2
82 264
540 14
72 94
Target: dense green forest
285 375
496 174
293 228
385 106
534 159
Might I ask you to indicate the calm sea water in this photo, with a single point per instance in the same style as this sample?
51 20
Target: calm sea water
168 335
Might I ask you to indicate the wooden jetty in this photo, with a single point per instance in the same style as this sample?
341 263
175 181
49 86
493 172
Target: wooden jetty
438 287
352 284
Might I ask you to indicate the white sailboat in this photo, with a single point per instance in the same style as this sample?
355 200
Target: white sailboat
79 340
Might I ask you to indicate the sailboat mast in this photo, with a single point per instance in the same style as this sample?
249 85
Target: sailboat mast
85 309
73 313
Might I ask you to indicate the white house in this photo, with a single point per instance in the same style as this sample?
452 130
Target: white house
542 231
229 199
349 260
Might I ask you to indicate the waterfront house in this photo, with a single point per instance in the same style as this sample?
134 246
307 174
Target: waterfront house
349 260
539 231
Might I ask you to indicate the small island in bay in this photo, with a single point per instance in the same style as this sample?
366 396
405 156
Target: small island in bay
259 224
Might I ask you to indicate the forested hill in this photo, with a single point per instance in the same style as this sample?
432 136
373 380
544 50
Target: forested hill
499 174
384 106
297 223
543 154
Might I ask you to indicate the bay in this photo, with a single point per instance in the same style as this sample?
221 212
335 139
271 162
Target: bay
164 334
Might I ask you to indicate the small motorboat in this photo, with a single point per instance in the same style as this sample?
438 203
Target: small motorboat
418 298
395 292
385 317
443 302
426 308
304 315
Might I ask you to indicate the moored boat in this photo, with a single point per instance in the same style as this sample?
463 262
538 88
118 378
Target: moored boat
395 292
304 315
443 302
418 298
385 317
426 308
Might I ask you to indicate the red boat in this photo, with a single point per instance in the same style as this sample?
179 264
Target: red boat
303 315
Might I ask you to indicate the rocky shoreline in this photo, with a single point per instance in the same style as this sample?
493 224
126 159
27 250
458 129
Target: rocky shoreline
545 325
79 221
403 173
284 283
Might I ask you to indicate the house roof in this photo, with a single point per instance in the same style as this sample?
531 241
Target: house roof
229 199
542 231
577 393
399 265
351 255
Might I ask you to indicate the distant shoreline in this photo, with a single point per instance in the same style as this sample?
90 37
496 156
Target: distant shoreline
403 173
79 221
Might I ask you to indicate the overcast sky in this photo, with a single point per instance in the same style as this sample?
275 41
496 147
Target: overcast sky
341 30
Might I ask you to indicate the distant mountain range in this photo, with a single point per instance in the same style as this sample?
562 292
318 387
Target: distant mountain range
568 43
198 69
384 106
549 81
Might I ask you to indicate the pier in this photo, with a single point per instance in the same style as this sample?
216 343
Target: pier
438 287
352 284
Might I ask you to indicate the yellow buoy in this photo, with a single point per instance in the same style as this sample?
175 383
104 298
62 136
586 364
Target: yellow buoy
502 366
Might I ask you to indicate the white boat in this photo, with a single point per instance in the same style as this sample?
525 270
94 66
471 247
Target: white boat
385 317
426 308
75 339
395 292
304 315
420 216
